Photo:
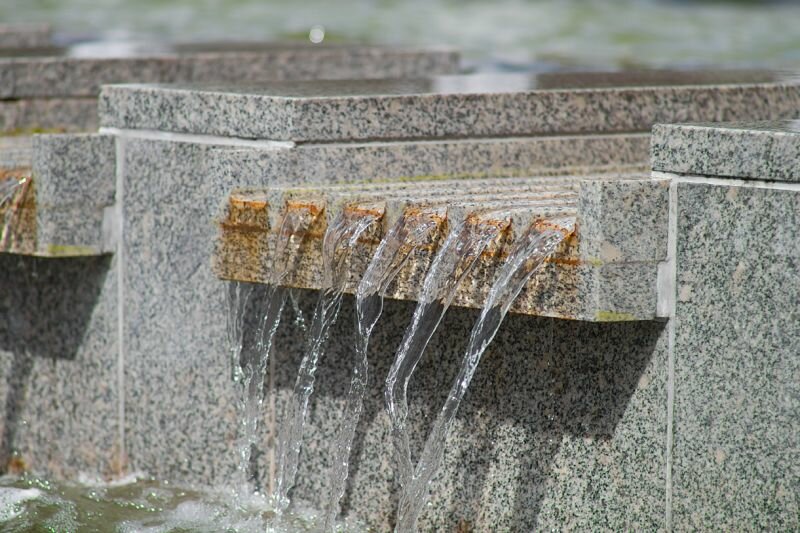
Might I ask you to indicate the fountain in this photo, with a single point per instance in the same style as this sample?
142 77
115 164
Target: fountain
615 394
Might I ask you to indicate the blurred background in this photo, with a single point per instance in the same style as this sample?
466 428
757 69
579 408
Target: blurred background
495 35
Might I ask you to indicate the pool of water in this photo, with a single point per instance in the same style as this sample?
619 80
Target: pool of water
500 34
139 504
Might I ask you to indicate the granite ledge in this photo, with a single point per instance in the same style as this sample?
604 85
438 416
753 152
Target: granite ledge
599 274
441 107
768 150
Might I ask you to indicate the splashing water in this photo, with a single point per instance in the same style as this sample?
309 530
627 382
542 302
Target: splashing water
412 231
138 504
536 245
249 372
340 238
459 254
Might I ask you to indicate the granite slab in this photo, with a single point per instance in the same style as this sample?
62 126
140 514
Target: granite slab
562 427
767 150
16 152
63 203
21 36
518 436
607 272
450 106
53 75
42 115
59 399
736 364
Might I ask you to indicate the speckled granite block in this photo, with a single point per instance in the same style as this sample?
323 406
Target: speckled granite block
75 231
563 426
20 36
737 371
41 115
607 272
468 158
750 150
66 206
54 75
58 356
458 106
623 220
15 152
74 170
176 372
177 375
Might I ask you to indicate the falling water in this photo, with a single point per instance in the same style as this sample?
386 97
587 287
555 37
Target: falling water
249 371
237 297
413 230
340 238
12 194
539 242
463 246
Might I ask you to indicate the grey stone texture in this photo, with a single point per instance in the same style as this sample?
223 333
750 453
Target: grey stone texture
58 343
74 170
736 422
566 423
768 150
563 426
16 152
68 206
59 76
47 115
607 272
22 36
177 379
439 107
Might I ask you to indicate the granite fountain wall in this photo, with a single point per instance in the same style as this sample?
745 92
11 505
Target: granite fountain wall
569 424
59 342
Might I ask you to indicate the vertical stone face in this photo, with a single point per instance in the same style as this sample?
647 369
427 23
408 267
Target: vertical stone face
58 366
737 370
564 423
180 418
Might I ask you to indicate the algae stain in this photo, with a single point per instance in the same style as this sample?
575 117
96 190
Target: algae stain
613 316
65 250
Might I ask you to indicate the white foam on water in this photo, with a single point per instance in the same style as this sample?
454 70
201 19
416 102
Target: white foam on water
11 501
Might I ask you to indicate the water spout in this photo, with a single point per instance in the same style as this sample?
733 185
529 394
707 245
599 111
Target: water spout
415 229
340 238
536 245
457 257
249 372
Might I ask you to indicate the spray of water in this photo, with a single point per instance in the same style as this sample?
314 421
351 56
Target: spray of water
340 238
540 242
415 229
457 257
248 371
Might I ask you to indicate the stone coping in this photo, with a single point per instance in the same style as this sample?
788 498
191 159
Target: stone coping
606 271
767 150
24 36
55 73
451 106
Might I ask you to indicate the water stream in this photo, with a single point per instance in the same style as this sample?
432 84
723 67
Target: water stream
458 255
530 252
12 193
413 230
340 238
249 371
